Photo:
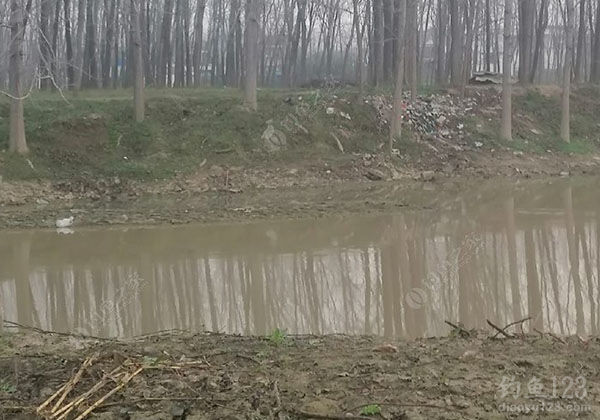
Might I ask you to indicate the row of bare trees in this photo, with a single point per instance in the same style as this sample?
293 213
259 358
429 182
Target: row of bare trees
77 44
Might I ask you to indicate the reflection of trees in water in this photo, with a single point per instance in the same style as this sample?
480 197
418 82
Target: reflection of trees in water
420 273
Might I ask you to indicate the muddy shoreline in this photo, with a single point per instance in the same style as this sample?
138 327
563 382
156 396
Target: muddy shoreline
214 376
309 189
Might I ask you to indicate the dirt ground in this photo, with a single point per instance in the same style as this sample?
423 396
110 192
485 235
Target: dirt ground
361 183
210 376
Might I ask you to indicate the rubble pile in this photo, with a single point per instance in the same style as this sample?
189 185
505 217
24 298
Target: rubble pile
438 115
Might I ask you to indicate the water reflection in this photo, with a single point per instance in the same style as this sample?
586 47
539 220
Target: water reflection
495 252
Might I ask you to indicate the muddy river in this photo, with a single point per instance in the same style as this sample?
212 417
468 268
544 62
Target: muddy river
497 252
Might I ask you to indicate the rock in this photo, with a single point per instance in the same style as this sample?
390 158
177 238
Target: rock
178 411
518 153
216 171
330 111
322 407
65 223
41 202
386 348
274 140
339 144
346 116
375 174
94 117
565 174
428 176
478 144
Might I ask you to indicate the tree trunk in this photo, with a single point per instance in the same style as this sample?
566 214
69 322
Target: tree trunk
253 8
411 38
488 36
506 76
16 141
81 7
69 45
138 62
54 62
595 76
44 44
539 45
526 25
441 77
198 28
164 62
377 42
179 47
565 126
396 119
231 66
456 49
388 39
90 75
581 49
188 47
107 60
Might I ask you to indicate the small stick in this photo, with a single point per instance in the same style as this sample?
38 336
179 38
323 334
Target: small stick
124 382
49 400
277 396
459 328
72 382
12 324
557 338
64 411
391 404
500 331
329 416
514 323
151 399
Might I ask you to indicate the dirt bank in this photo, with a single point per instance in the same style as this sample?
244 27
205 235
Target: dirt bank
210 376
226 193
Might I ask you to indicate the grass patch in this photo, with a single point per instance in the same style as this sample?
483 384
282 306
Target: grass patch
93 134
278 337
370 410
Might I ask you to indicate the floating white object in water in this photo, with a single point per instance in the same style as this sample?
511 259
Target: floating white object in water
64 223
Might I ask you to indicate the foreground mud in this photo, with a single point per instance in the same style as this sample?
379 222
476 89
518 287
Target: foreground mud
209 376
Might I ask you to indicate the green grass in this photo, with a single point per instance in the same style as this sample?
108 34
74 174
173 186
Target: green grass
278 337
370 410
92 134
536 124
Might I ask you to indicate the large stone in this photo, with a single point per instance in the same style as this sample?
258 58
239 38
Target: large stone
274 140
375 174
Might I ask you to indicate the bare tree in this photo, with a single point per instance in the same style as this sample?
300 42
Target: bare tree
138 62
565 126
506 75
17 141
456 49
253 8
396 119
581 47
595 73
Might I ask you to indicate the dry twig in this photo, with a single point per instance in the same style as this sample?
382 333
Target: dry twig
500 331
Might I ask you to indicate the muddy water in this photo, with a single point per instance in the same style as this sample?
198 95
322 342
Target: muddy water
497 252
